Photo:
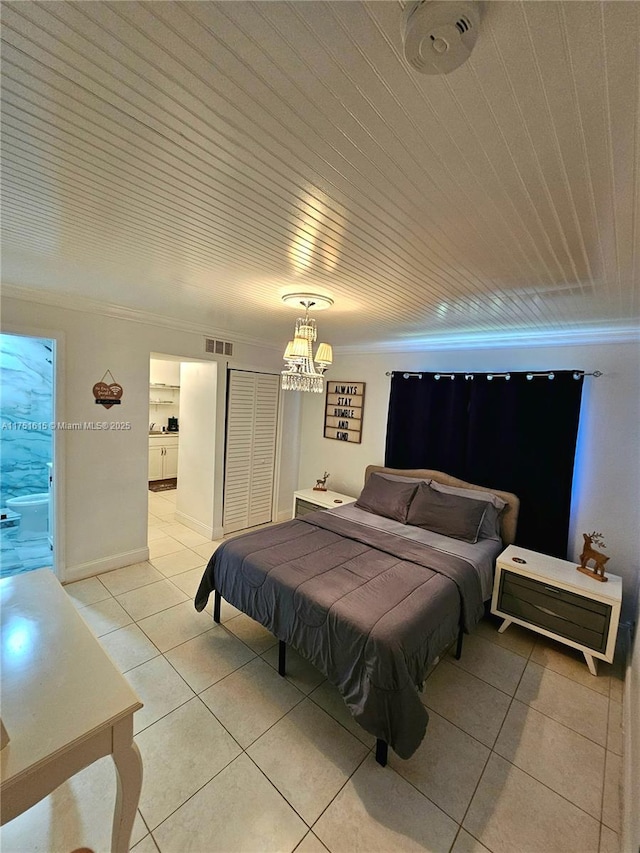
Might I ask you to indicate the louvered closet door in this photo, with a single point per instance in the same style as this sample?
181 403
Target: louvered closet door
252 413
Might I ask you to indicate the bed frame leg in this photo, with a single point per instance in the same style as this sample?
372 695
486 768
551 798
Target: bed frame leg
459 644
382 748
282 658
216 606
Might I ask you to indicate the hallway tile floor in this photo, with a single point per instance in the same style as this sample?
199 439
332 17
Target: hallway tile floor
522 753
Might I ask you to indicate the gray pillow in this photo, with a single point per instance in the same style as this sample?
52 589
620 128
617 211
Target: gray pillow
490 528
450 515
390 498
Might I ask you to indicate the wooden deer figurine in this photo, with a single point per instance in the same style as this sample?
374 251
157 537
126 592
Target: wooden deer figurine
589 553
321 484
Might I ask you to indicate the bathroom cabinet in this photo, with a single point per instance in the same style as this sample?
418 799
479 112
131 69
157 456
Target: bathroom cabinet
163 456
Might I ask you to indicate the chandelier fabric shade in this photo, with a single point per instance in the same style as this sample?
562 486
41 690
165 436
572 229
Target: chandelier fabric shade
303 372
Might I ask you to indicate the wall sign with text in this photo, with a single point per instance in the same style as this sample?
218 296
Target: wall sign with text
343 411
107 394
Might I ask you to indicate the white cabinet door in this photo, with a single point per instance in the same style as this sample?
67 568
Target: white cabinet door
252 414
163 457
155 463
170 468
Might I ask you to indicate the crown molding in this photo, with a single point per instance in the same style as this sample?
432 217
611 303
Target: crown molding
579 336
498 340
119 312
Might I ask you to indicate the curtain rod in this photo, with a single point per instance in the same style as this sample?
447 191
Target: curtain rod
530 374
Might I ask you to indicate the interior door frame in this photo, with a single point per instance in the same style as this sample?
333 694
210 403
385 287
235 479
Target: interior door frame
58 455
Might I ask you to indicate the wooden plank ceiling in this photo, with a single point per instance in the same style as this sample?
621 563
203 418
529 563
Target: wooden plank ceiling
196 160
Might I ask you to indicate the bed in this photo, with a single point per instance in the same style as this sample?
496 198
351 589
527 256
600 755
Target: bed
373 593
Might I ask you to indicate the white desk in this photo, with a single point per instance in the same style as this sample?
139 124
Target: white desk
64 704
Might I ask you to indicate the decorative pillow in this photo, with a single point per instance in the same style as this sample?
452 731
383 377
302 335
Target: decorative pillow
390 498
451 515
490 528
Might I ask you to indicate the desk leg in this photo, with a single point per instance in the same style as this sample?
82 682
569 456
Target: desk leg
128 762
504 626
591 663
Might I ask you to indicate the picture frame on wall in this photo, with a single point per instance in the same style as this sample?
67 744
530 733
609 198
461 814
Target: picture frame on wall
344 406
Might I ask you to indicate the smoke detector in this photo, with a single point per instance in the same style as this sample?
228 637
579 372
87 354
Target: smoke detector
439 35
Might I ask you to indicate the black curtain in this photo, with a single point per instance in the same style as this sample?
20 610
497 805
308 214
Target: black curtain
516 434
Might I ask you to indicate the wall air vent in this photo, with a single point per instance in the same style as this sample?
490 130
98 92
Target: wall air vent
218 347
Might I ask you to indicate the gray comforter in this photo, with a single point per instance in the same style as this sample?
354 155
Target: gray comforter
369 609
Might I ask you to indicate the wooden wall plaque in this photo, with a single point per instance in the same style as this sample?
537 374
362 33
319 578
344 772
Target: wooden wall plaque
343 411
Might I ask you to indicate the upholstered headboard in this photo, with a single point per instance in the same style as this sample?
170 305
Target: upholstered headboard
508 519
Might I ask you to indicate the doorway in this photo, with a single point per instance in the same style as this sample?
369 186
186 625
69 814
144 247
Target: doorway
27 369
164 423
184 400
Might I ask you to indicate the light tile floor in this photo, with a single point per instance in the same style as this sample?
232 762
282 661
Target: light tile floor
522 753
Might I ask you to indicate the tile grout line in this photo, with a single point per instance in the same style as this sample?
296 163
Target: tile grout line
491 749
513 696
144 663
309 696
244 751
279 792
215 775
558 793
346 781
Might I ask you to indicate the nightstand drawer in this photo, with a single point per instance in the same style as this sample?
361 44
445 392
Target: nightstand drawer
565 613
305 507
313 500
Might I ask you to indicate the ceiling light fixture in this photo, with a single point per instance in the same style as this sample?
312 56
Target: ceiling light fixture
303 372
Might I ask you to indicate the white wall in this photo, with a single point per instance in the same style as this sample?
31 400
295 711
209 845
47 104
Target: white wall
288 452
195 501
104 509
607 473
163 371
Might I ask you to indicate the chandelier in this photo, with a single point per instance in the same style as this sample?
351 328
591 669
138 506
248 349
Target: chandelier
303 372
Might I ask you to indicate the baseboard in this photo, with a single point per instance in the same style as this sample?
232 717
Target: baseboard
69 574
193 524
284 515
630 841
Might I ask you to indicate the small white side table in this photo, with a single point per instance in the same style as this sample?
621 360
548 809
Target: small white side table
551 597
64 703
310 500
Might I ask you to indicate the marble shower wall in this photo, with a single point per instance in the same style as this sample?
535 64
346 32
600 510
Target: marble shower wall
26 382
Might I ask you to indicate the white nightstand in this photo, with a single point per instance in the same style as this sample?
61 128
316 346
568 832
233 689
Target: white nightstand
551 597
308 500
